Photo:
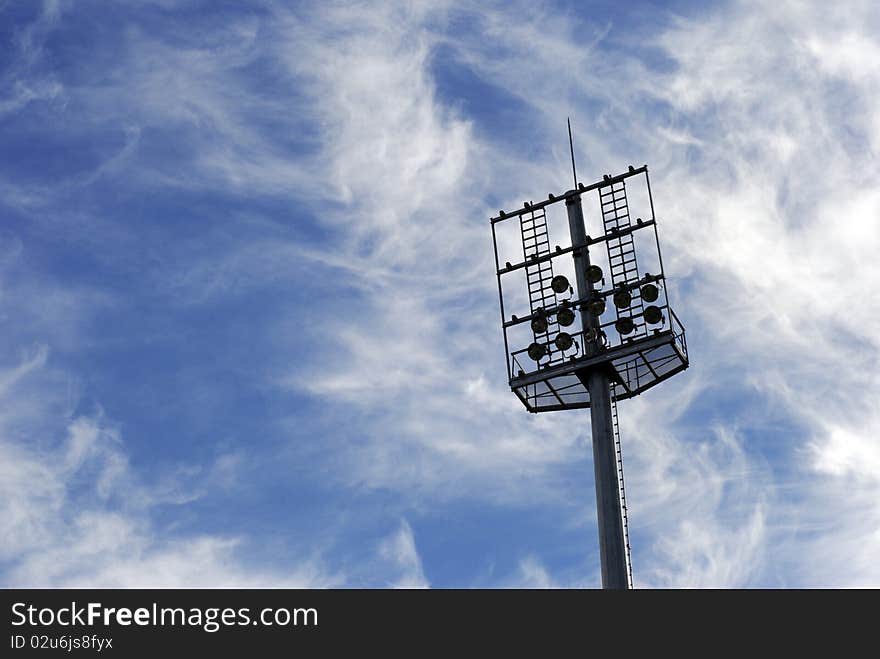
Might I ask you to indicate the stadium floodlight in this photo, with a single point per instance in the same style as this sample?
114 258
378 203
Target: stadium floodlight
565 317
596 306
537 351
539 322
624 325
585 367
564 341
560 284
650 293
622 299
653 315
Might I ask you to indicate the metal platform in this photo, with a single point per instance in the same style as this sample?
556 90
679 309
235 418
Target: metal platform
633 367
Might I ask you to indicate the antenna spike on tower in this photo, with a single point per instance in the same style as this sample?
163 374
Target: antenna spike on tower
571 146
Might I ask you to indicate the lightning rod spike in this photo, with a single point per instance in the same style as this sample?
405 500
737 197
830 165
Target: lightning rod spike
571 146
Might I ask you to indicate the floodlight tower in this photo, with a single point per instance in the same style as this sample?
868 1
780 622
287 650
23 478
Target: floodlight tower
608 359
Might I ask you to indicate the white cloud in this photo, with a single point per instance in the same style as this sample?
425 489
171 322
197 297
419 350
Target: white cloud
531 573
787 228
766 195
400 550
74 513
764 163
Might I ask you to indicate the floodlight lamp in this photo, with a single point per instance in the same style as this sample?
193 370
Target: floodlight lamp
596 306
539 322
594 274
565 317
537 350
624 325
622 299
650 293
559 283
564 341
653 315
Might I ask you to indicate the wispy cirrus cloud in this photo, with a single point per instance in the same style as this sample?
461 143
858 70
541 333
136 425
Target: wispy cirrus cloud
75 512
303 194
400 549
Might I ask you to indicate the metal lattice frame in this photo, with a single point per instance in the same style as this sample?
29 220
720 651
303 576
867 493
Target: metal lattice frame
637 361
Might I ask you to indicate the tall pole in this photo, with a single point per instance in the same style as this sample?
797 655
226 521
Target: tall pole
612 548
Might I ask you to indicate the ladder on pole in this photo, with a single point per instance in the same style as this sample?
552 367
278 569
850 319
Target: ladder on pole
536 243
621 249
622 488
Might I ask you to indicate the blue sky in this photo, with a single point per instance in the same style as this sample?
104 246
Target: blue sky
248 312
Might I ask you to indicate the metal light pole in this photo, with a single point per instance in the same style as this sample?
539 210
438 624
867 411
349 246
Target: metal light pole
612 547
551 365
